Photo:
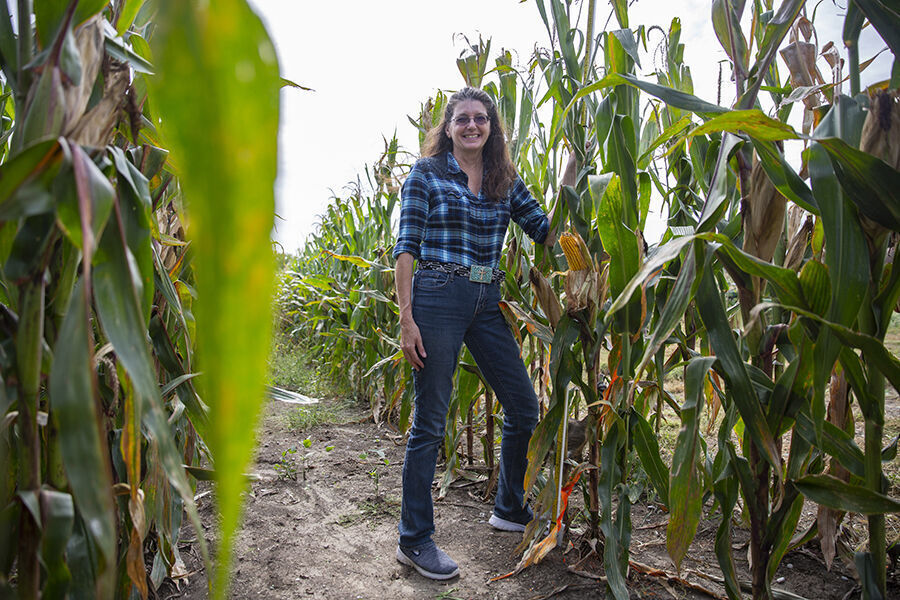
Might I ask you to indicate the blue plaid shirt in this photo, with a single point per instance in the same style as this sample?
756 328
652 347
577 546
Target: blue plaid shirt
441 219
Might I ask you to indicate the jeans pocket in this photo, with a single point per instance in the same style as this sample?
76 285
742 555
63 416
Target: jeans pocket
431 280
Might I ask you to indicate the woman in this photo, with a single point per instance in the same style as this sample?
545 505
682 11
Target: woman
457 203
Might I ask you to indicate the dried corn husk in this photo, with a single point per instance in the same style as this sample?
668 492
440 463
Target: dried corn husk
881 138
763 215
89 41
546 297
881 131
793 259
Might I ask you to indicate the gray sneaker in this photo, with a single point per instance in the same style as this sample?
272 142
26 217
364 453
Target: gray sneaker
503 525
429 560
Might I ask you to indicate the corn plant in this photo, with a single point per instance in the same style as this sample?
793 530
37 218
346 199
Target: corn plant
98 285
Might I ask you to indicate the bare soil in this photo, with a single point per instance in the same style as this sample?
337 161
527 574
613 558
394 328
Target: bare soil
331 534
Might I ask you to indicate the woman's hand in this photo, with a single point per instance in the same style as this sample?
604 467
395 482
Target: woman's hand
411 342
410 338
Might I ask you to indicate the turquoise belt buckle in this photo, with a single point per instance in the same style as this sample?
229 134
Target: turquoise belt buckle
480 274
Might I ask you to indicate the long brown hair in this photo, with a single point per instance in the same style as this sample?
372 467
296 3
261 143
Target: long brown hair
499 172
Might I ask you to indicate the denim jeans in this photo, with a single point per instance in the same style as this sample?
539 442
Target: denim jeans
449 310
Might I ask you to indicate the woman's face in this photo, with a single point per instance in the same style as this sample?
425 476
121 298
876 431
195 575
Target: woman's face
467 134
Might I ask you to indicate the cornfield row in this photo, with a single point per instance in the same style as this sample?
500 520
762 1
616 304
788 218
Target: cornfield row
783 369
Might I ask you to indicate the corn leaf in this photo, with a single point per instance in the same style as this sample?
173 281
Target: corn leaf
84 450
647 447
834 493
733 369
867 180
686 483
753 122
218 68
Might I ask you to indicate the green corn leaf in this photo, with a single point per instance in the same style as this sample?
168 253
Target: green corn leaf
872 348
733 368
116 48
615 546
780 530
117 296
753 122
784 281
127 13
46 110
647 447
726 491
674 97
663 255
85 191
26 179
686 484
135 208
868 576
619 242
868 181
626 39
670 132
835 442
57 517
885 17
775 30
719 190
84 450
672 313
217 68
839 495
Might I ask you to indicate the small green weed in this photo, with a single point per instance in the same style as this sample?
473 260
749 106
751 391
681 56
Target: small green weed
448 595
376 473
286 467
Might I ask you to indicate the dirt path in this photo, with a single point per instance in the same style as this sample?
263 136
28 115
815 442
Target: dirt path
332 534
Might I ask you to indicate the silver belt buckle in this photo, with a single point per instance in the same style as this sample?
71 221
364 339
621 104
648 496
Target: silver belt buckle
480 274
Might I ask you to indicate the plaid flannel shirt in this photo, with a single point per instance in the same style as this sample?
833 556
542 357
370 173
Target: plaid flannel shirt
442 220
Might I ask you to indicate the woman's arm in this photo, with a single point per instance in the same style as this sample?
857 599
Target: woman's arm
410 338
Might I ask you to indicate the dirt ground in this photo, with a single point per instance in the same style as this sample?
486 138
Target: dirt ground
331 534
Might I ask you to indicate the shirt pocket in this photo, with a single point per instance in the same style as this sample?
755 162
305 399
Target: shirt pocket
451 211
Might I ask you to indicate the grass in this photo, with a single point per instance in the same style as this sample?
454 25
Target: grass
303 417
292 368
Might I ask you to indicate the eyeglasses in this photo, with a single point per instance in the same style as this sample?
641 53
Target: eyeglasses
463 120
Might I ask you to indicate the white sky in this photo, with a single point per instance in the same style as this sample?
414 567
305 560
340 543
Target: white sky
372 63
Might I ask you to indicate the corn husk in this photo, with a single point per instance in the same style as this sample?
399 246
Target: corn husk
764 215
583 281
881 131
546 297
793 259
881 138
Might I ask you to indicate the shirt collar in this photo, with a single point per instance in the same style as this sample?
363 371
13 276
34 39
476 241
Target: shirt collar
452 165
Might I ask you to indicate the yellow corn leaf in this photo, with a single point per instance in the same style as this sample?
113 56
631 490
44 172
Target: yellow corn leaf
356 260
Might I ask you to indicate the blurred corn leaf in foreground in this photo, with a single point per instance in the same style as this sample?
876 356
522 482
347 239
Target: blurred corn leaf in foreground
97 284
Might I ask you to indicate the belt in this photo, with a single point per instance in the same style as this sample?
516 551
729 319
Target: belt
475 273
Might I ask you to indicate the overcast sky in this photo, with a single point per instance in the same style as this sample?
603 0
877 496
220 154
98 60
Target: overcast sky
372 63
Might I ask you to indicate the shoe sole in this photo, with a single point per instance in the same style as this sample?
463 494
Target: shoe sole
405 560
503 525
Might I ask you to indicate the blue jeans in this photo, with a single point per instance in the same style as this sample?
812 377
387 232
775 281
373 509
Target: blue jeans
449 310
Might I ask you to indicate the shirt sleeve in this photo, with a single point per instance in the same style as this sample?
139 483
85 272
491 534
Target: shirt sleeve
525 211
413 213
